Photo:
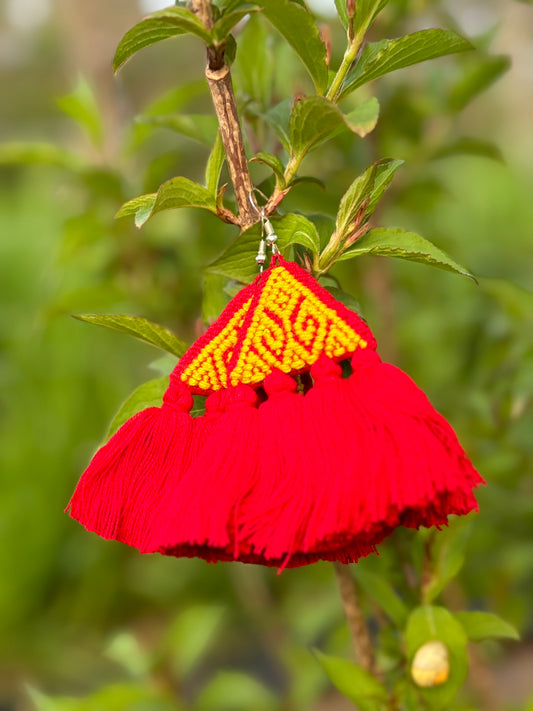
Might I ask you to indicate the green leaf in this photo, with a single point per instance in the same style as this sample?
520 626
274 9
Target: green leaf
313 121
227 6
385 170
308 180
149 394
342 12
81 106
353 682
316 119
274 163
475 78
224 25
516 300
175 99
42 702
182 192
191 635
235 691
325 226
485 625
298 27
115 697
363 119
125 649
140 328
140 206
404 245
215 298
254 67
366 13
214 166
367 188
230 51
21 153
170 102
279 118
200 127
427 623
381 591
347 299
447 558
175 193
387 56
470 145
158 26
164 365
238 260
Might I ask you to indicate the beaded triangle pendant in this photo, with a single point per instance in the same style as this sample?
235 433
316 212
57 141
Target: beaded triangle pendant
284 320
278 472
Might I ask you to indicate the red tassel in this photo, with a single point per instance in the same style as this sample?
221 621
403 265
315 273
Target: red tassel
338 439
120 492
204 424
203 516
427 473
275 515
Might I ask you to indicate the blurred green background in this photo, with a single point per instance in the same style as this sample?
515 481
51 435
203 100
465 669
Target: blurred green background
78 614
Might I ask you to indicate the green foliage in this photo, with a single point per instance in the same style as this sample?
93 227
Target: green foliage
234 691
177 192
168 628
119 697
21 153
214 165
138 327
81 106
315 120
366 13
382 592
480 73
158 26
298 27
386 56
197 126
485 625
355 683
447 556
359 202
404 245
191 635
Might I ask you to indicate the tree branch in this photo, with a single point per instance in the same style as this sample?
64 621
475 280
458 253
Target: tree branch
364 652
218 77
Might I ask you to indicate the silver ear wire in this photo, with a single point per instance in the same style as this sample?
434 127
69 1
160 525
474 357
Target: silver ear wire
261 255
268 234
271 236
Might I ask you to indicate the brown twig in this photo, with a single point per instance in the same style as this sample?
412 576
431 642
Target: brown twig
218 77
364 652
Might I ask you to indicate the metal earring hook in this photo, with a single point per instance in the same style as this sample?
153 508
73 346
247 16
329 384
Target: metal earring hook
268 234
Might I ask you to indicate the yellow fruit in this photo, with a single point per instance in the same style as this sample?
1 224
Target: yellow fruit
431 664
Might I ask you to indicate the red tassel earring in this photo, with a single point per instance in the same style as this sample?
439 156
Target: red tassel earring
279 477
120 491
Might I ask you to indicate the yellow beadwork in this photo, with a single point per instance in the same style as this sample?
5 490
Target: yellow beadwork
289 330
208 370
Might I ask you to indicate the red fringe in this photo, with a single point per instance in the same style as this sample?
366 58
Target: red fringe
120 493
205 509
428 475
275 517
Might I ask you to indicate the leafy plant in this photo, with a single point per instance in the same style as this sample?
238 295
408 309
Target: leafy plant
280 138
